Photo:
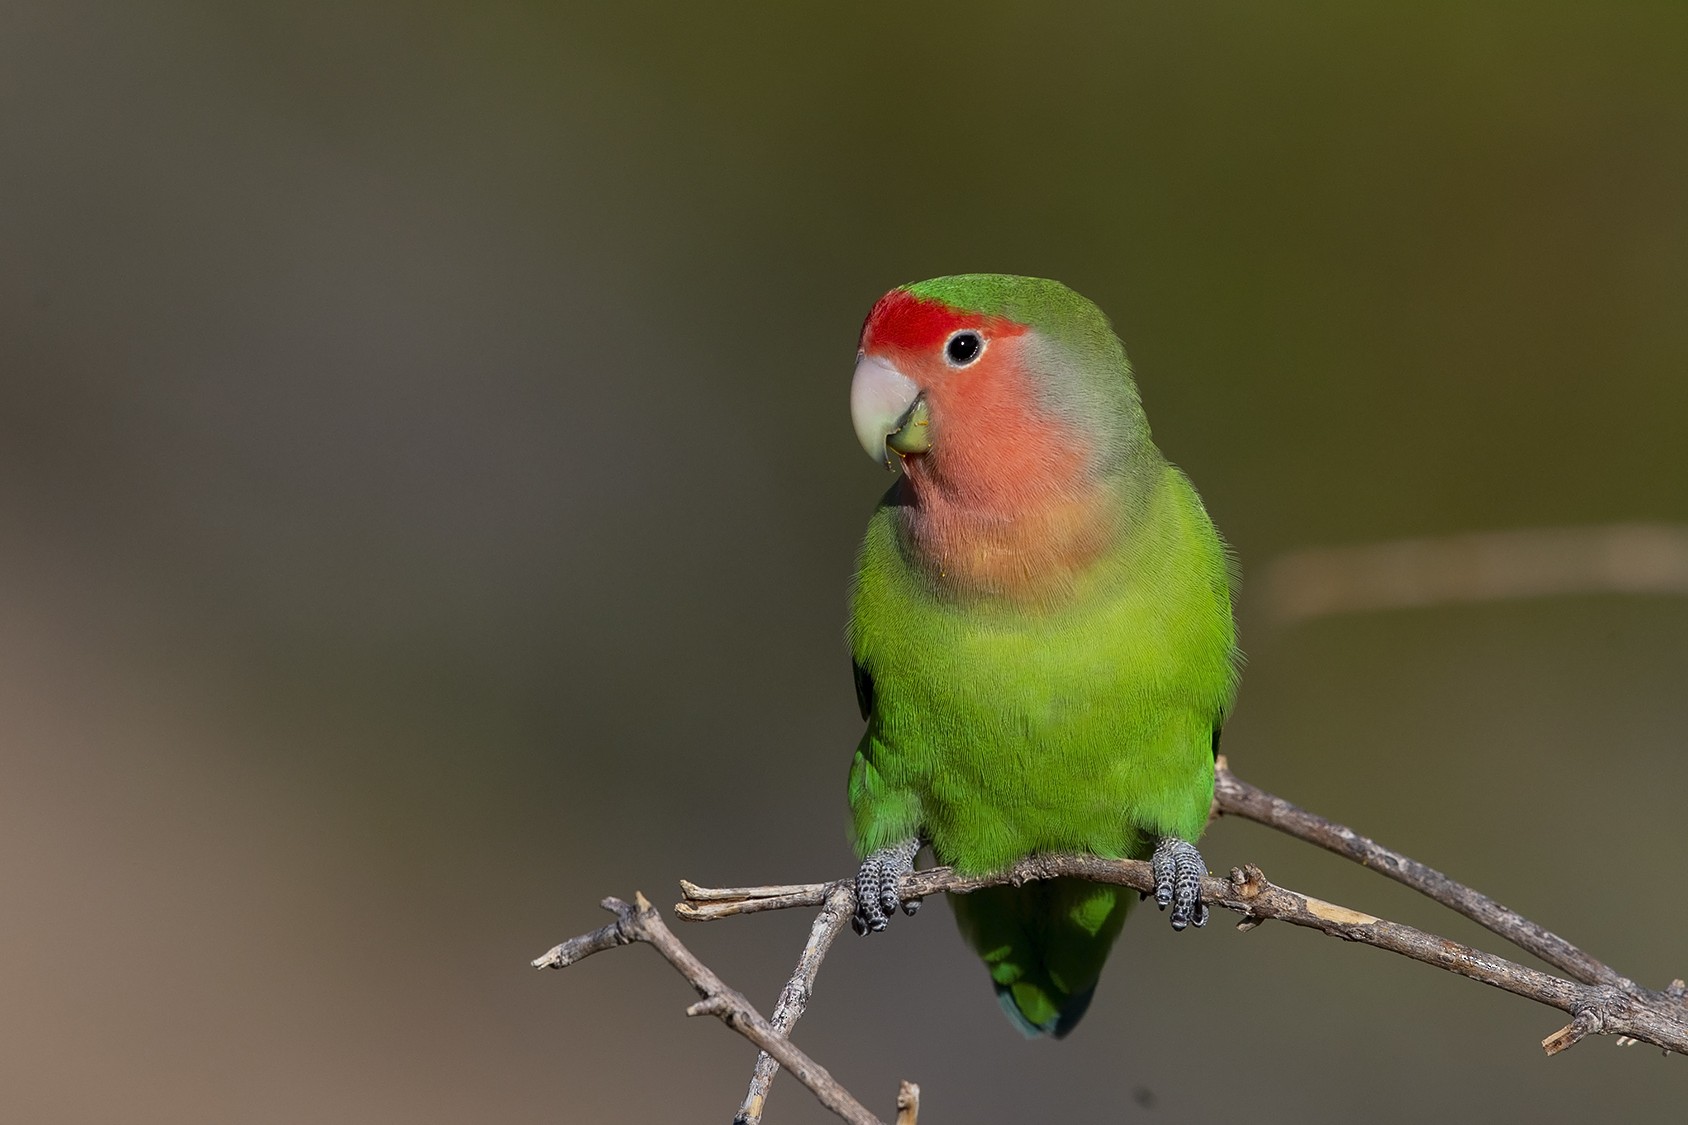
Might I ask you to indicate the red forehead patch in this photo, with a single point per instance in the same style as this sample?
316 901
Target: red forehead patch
902 320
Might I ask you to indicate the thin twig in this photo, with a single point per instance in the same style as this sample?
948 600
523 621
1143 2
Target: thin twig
641 923
1234 797
794 998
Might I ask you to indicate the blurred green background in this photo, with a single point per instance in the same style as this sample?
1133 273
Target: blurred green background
428 498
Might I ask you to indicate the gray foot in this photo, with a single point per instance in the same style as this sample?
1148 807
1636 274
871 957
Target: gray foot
1179 871
876 886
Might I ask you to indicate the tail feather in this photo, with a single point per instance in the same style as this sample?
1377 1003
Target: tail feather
1017 1000
1044 944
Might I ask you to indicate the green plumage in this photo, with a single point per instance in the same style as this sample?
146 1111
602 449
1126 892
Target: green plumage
1079 720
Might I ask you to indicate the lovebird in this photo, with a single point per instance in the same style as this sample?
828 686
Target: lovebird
1040 625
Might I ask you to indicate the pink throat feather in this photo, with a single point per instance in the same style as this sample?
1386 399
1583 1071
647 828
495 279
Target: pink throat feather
1006 503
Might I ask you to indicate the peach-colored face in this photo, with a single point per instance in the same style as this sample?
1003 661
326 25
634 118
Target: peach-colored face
952 356
1002 487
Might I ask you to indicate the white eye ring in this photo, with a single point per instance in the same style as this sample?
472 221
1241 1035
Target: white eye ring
961 336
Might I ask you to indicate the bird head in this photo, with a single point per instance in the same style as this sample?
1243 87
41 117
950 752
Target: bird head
992 374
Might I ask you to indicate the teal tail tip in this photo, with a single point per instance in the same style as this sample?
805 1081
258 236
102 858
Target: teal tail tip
1065 1020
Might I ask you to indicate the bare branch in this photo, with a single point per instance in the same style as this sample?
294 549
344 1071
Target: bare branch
794 998
582 947
1652 1017
1237 798
1598 1000
641 923
695 893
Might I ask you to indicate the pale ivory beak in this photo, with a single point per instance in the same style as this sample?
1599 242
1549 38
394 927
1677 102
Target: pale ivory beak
888 411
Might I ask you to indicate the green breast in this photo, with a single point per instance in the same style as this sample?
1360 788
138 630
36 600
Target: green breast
1001 729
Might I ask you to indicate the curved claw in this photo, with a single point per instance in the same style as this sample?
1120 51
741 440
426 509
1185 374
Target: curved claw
1179 872
876 886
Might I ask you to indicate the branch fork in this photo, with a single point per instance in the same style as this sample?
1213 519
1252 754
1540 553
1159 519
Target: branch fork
1598 999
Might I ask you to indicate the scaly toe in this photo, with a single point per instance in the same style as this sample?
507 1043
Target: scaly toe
869 915
1179 871
876 886
1164 865
888 900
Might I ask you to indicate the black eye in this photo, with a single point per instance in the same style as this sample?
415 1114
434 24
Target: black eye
963 348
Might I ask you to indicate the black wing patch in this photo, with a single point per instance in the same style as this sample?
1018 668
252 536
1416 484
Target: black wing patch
864 688
1216 740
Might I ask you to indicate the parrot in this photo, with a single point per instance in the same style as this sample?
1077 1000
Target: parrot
1040 627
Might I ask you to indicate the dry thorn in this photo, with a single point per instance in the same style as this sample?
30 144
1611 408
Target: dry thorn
1572 1034
908 1104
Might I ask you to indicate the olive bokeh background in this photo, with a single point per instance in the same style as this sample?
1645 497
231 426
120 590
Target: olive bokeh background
427 500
